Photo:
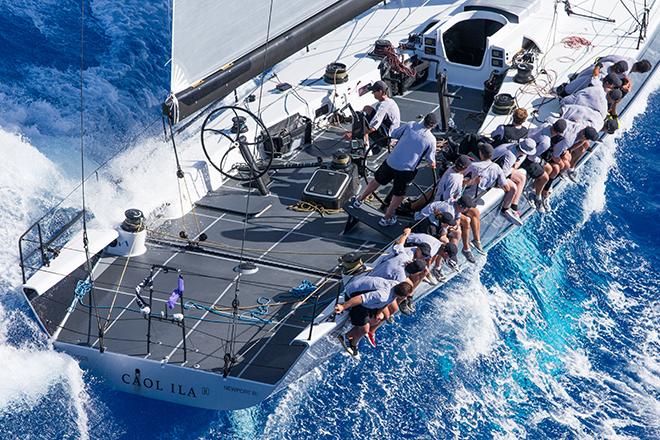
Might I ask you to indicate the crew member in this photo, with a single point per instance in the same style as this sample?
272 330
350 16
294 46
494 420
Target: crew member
579 146
589 77
513 132
448 188
382 120
460 211
368 296
416 142
546 137
509 157
483 175
404 262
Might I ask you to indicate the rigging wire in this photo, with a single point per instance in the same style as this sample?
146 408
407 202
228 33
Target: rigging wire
634 17
85 237
82 138
229 357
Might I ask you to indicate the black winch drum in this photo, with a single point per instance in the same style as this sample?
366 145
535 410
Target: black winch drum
503 104
335 73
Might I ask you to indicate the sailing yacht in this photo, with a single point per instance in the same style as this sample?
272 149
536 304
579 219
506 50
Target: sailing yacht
227 293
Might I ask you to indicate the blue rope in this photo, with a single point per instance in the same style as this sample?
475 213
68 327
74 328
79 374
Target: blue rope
252 317
83 287
304 288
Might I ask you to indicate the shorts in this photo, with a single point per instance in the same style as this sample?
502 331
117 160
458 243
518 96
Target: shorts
547 155
475 192
401 179
534 170
379 138
361 315
425 226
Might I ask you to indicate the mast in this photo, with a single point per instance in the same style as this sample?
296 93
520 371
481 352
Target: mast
227 78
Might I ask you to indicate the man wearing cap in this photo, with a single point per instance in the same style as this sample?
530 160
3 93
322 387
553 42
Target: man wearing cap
602 96
625 65
509 157
441 223
403 263
561 153
465 216
558 155
448 188
368 297
450 185
446 254
578 148
598 76
435 244
416 142
513 132
546 137
484 175
381 120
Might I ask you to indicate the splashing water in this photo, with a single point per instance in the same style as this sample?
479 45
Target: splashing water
33 373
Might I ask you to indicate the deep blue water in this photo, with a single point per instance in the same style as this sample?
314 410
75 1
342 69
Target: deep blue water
555 337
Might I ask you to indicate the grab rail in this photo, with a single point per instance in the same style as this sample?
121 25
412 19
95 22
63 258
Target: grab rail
44 246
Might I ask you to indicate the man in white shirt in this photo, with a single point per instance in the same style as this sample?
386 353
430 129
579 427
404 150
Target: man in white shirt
403 262
578 147
381 120
482 176
416 142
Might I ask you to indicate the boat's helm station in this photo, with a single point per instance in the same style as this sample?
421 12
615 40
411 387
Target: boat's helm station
243 154
233 151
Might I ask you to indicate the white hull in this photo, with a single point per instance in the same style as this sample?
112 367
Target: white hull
168 382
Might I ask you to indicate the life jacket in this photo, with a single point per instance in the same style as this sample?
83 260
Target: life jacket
511 134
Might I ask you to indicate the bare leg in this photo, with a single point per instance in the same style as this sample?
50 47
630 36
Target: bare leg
388 311
475 223
566 160
556 168
356 333
465 231
519 179
509 194
540 183
577 153
396 201
454 236
418 277
371 187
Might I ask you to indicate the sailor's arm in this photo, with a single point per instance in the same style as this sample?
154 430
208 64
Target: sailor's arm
597 67
430 154
402 239
355 301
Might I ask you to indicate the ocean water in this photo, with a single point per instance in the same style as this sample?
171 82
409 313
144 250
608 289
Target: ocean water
554 336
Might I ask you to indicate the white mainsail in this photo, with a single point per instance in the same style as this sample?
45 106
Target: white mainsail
210 34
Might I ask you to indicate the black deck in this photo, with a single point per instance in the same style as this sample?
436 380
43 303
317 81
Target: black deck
289 247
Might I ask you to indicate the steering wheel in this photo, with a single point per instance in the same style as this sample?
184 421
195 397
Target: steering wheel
255 156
